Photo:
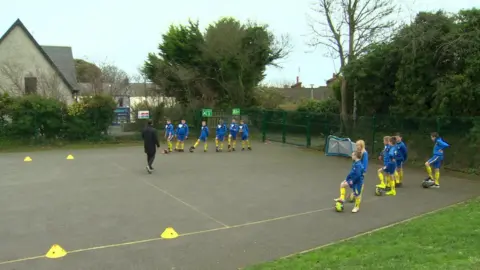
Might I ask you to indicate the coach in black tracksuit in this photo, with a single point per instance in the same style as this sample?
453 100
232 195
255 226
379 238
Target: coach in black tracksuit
150 143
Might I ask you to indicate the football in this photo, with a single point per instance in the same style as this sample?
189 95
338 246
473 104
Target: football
339 207
427 183
379 191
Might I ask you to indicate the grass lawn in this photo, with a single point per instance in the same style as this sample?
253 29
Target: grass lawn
448 239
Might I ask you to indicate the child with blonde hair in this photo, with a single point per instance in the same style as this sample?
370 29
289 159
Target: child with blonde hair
360 147
354 180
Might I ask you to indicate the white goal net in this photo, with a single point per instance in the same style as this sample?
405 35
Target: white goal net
336 146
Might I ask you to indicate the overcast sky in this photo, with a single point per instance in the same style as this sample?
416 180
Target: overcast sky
124 32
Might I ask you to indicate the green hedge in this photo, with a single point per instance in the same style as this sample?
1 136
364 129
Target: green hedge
34 117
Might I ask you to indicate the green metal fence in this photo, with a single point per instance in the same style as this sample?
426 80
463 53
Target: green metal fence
311 130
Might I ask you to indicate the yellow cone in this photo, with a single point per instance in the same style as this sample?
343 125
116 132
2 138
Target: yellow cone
169 233
27 159
70 157
56 252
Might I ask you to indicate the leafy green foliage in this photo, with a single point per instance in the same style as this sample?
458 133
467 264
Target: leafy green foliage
427 71
327 106
429 67
36 117
221 67
90 118
87 72
268 98
33 116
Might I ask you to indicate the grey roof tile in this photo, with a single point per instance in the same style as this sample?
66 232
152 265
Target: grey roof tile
62 57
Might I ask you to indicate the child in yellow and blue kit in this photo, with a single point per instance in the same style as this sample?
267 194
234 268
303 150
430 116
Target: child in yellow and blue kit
354 180
243 130
384 155
169 134
360 147
203 138
182 134
435 161
220 136
402 155
232 136
391 166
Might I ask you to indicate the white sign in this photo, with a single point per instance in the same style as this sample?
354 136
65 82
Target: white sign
143 115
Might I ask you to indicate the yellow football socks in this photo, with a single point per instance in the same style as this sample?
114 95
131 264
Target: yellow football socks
429 171
382 178
342 193
391 180
437 177
397 177
245 142
358 200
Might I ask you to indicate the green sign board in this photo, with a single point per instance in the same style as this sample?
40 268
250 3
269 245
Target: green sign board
236 111
206 112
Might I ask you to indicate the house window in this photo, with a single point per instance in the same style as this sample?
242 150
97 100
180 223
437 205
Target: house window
30 85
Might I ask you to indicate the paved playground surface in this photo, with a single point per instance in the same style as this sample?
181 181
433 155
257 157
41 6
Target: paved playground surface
230 209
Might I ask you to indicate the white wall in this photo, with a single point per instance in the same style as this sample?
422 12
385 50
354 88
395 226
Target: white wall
20 58
169 101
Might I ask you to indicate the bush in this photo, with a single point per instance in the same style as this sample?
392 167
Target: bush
36 117
89 119
326 106
268 98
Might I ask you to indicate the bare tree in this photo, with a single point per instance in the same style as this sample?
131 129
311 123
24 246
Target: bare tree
49 85
347 27
12 76
115 80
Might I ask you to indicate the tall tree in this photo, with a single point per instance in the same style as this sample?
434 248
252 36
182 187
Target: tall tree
373 76
103 78
176 66
115 80
88 72
346 28
427 69
238 63
221 67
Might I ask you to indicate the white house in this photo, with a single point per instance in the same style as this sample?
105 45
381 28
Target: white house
132 95
26 67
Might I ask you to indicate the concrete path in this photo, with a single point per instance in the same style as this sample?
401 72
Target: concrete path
230 209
